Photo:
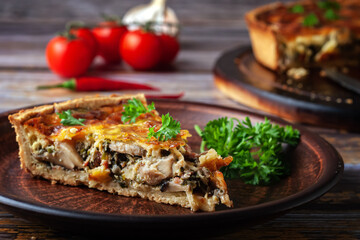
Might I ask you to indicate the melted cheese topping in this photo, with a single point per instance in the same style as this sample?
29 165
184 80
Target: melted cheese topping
136 132
283 20
105 123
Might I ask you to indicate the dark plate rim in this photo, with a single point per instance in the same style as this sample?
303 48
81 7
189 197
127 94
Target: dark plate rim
233 75
328 177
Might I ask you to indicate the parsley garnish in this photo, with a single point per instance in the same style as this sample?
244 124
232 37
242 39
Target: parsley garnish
330 8
328 5
310 20
297 9
256 149
330 14
133 109
68 120
169 129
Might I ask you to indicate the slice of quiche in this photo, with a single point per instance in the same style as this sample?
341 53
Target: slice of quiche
91 141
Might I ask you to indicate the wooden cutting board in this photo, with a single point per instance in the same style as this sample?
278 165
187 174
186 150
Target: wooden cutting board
314 99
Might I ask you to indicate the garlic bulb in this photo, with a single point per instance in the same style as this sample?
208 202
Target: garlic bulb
157 12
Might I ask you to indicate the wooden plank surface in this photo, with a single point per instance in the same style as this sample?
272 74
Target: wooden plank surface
208 28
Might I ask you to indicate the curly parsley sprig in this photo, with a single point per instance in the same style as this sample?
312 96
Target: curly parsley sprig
328 8
169 129
68 120
255 148
133 109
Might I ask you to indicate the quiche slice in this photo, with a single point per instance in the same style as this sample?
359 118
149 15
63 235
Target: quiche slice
101 151
306 34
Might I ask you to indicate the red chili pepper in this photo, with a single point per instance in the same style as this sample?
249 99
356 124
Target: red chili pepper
87 84
165 96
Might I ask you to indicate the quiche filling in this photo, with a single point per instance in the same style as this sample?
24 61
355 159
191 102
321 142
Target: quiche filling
315 50
113 153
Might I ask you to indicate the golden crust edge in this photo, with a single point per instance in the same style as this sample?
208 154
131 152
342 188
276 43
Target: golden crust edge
88 101
263 38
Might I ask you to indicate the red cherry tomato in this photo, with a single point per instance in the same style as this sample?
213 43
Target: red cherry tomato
141 49
170 49
108 36
68 57
86 35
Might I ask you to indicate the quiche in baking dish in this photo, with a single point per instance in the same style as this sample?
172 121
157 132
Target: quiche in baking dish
101 149
306 34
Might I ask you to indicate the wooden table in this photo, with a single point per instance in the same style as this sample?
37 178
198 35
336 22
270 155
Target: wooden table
208 28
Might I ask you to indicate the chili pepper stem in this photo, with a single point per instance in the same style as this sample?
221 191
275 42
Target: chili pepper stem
70 84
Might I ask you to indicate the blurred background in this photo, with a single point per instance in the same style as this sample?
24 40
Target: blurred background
207 29
27 26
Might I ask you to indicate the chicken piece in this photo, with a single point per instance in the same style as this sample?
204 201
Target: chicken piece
154 172
213 161
131 149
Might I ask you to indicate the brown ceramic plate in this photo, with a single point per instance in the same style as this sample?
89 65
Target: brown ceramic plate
316 168
315 99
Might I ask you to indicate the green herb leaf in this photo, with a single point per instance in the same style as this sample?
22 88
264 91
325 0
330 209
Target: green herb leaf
329 5
68 120
310 20
330 14
256 149
133 109
297 9
219 134
170 128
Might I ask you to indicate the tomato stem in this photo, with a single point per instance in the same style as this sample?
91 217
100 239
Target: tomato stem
148 26
74 25
68 35
112 18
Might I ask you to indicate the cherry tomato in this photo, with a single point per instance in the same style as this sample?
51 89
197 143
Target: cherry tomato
108 36
141 49
88 36
68 57
170 49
